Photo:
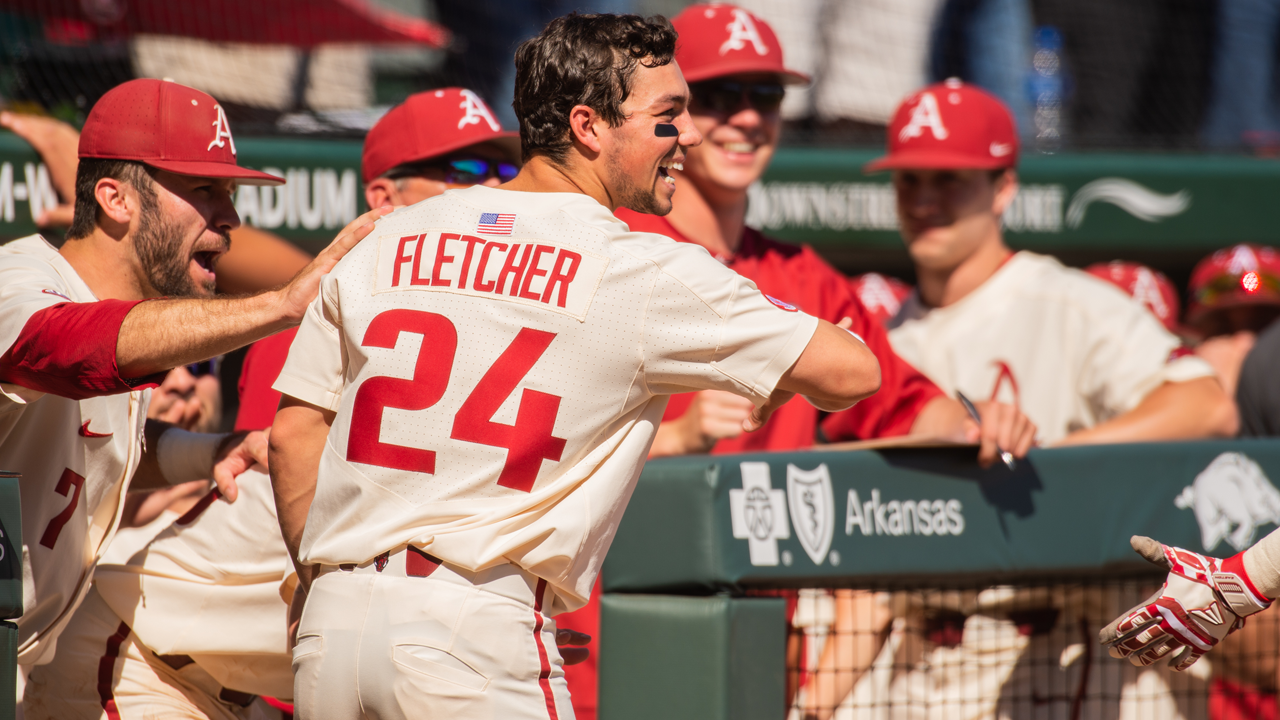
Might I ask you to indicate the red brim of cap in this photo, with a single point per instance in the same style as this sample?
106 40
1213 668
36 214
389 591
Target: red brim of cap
508 142
244 176
933 160
719 70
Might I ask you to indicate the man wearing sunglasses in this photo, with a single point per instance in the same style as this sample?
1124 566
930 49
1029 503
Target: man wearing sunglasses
737 79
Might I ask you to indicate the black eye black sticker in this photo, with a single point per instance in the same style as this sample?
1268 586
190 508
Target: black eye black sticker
665 130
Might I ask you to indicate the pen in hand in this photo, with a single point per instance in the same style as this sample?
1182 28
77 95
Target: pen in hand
1005 455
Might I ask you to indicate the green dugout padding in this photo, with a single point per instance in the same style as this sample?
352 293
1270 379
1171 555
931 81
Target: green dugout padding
1107 202
703 658
10 589
930 517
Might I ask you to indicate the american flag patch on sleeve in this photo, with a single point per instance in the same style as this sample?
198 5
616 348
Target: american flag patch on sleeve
496 223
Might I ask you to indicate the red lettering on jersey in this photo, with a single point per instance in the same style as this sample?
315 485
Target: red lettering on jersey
562 275
442 260
480 284
471 242
430 379
1005 374
401 258
416 278
70 479
512 267
529 441
534 272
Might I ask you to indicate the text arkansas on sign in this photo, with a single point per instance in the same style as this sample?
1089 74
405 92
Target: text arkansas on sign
531 272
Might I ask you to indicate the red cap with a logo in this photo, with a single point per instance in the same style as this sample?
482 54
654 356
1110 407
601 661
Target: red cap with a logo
432 123
167 126
1150 287
1242 275
719 40
882 296
950 126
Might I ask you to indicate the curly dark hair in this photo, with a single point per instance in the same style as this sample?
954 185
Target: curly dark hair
582 60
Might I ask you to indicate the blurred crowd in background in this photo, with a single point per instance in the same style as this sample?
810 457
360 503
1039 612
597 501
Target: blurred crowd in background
1153 74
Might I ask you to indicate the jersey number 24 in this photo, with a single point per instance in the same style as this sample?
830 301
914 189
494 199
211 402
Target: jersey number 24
528 441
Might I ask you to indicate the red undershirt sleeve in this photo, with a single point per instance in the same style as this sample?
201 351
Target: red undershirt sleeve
904 391
69 350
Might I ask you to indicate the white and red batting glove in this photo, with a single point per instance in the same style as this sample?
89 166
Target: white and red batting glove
1203 600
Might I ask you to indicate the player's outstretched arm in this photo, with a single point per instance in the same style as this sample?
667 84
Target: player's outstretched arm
835 371
1203 600
173 456
297 441
1187 410
162 334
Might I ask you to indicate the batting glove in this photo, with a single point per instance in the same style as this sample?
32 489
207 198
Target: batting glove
1203 600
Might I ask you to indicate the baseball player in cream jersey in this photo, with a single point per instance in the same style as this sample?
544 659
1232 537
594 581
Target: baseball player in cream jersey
153 206
1073 352
1076 354
210 635
479 384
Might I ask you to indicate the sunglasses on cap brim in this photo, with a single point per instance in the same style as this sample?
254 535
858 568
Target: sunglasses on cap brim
728 96
1249 284
458 171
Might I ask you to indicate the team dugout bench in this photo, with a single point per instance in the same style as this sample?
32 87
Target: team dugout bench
681 635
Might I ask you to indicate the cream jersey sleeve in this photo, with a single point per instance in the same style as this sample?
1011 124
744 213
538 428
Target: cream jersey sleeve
314 373
1128 353
708 327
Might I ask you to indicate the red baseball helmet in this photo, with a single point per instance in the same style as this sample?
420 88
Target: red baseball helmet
882 296
1245 274
167 126
1150 287
719 40
950 126
432 123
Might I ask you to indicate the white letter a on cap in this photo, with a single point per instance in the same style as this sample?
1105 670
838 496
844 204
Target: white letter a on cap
925 115
742 31
221 131
474 111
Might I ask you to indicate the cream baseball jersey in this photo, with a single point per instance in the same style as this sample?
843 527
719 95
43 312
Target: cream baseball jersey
498 363
213 586
1069 349
75 455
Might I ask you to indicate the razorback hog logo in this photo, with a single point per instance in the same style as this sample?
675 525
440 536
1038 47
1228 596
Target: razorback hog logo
1231 498
380 562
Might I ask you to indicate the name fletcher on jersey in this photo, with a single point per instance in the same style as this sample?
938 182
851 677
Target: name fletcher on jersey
528 271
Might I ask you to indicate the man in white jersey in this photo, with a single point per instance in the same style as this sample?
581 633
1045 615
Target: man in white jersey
1073 352
1082 360
83 338
195 622
470 401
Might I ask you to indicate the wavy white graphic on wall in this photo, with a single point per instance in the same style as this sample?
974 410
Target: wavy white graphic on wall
1140 202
